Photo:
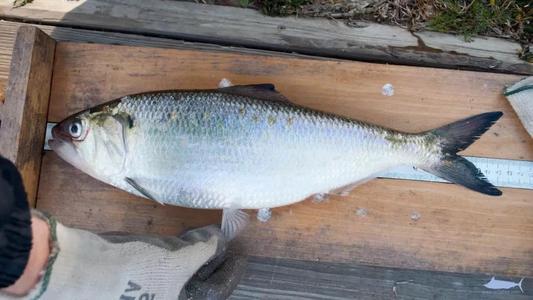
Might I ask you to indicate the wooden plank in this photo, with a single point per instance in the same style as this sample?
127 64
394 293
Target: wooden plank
249 28
23 114
270 278
8 31
459 230
7 41
2 91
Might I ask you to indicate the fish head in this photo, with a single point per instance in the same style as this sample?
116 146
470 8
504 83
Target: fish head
93 142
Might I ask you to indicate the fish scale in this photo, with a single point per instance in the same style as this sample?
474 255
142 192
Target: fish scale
221 149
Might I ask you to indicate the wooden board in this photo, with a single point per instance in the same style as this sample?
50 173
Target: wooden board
23 115
8 32
459 230
248 28
270 278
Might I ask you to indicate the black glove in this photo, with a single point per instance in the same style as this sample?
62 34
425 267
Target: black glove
15 224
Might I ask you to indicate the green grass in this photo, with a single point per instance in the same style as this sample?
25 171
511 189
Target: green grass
281 7
477 17
20 3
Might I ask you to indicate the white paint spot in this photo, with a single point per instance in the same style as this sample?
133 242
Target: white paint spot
264 214
361 212
321 197
224 82
344 193
457 283
394 287
415 216
387 90
495 284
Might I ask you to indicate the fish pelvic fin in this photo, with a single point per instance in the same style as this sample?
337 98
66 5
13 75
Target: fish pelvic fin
456 137
233 222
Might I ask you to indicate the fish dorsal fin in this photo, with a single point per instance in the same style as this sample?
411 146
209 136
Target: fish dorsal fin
264 91
233 222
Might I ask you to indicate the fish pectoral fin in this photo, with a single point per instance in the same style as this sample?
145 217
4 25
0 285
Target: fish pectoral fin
233 222
141 190
265 91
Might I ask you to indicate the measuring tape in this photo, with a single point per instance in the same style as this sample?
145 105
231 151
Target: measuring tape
500 172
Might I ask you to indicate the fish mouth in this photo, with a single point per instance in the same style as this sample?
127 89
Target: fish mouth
58 143
55 141
65 149
57 134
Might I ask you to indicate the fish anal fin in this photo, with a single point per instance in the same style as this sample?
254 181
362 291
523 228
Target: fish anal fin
141 190
233 222
264 91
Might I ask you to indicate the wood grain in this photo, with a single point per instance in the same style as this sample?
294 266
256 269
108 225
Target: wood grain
2 91
23 114
458 231
249 28
270 278
8 32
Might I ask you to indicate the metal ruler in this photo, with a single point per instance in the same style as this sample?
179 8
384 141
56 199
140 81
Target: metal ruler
500 172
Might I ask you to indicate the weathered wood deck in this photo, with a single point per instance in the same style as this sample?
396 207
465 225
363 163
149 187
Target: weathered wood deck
282 279
247 28
308 250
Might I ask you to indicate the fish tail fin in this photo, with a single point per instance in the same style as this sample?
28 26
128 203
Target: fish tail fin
520 285
456 137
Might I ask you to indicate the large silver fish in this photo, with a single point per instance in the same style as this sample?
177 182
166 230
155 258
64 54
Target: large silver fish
248 147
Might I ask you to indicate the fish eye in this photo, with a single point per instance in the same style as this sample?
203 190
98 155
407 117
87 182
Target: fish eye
75 129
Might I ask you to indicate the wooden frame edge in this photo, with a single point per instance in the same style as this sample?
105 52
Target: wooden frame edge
23 115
